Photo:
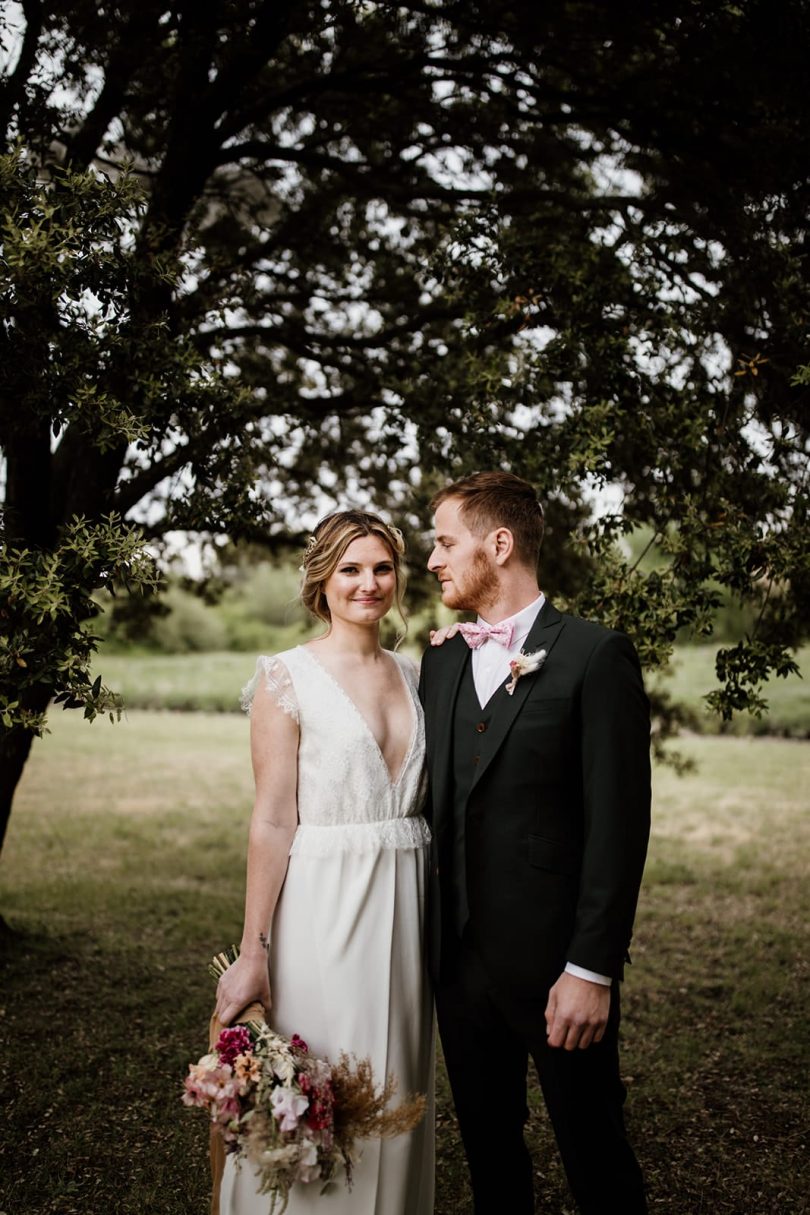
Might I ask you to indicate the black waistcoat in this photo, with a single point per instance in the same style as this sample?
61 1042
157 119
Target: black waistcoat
470 723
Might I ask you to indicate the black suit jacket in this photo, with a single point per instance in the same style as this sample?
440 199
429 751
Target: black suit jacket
558 814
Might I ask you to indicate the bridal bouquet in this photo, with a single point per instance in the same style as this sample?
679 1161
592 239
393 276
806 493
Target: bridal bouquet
294 1116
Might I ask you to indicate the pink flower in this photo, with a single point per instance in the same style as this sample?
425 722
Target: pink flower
233 1042
216 1090
227 1109
288 1106
205 1081
298 1044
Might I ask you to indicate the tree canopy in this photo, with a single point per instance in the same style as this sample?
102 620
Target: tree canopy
260 255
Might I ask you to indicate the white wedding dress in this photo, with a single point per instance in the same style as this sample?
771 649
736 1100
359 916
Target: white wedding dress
347 951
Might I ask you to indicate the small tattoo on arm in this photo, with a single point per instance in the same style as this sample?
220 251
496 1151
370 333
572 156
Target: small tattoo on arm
265 943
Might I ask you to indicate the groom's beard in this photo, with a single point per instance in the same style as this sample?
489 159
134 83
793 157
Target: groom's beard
476 591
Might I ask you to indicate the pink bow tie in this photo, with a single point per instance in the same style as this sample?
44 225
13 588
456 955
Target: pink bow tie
476 634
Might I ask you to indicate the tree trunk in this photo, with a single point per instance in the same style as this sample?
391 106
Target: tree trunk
14 748
15 745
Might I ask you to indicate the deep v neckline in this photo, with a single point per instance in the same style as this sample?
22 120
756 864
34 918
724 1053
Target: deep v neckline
393 781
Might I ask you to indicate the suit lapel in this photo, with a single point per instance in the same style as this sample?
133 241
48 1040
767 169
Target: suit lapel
543 635
455 653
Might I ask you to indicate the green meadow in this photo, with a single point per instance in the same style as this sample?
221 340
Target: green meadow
123 872
211 682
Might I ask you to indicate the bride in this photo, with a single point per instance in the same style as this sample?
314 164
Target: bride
337 861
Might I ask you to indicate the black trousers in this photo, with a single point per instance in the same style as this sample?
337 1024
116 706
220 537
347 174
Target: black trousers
487 1041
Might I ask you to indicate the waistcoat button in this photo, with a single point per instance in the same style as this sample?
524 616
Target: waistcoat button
481 727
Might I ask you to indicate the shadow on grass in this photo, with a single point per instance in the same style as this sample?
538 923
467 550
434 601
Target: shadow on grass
95 1044
105 997
94 1050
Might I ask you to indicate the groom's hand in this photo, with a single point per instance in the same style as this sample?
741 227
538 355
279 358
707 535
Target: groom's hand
439 636
577 1012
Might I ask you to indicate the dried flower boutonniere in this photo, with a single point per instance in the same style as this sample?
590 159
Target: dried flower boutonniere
524 664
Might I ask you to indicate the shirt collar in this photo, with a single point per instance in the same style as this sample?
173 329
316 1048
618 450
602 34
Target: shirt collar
522 620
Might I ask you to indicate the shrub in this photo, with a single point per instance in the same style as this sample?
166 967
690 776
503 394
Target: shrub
189 625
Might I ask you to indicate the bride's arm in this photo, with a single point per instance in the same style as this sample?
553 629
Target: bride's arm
274 751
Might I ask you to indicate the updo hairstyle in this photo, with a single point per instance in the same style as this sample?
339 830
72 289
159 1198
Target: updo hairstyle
328 543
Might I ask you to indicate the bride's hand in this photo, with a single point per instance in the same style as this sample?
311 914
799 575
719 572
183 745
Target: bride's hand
439 636
244 982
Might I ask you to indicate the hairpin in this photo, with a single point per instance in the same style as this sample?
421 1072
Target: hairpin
399 539
310 546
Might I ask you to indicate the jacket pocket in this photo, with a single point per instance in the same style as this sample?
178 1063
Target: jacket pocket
554 855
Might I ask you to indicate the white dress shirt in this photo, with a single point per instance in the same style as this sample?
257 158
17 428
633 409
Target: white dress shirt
490 669
490 662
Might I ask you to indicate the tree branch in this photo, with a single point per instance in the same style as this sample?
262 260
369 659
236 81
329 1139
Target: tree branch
248 59
357 81
130 492
14 88
328 340
133 46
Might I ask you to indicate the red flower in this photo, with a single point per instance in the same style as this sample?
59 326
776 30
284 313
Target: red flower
233 1042
320 1113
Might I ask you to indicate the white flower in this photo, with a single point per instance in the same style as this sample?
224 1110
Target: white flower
308 1167
279 1157
524 664
288 1106
284 1069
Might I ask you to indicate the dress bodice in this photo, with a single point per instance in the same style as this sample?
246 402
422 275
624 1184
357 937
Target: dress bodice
343 780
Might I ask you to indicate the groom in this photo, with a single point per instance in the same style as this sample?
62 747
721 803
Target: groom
540 806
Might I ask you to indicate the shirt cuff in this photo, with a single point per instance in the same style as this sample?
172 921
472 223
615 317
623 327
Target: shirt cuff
580 972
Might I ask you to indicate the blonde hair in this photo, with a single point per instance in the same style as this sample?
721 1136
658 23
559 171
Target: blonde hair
328 543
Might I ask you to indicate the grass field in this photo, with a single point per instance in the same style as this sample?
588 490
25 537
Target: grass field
211 682
123 872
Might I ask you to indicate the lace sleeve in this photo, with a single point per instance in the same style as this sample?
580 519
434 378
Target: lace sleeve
276 681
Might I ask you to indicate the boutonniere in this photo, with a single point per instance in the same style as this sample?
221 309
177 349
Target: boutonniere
524 664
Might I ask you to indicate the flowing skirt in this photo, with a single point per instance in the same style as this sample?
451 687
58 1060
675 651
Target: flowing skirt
348 973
